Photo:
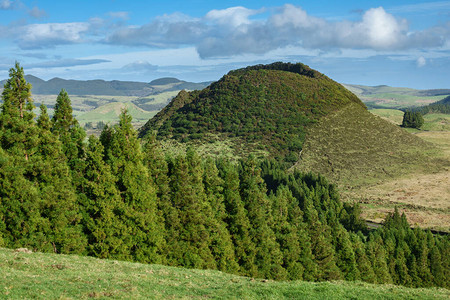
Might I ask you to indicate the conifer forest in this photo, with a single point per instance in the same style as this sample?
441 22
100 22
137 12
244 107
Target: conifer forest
121 197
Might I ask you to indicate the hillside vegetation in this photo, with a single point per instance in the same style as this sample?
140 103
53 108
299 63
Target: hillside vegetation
122 198
270 106
49 276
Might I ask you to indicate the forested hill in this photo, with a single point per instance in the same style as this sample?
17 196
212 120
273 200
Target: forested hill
442 106
271 105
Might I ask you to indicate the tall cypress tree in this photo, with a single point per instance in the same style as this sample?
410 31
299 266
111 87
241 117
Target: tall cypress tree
253 193
221 243
18 132
123 154
71 135
108 234
237 220
189 236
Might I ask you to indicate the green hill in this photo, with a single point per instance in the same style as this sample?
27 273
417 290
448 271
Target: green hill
274 110
110 113
51 276
442 106
264 108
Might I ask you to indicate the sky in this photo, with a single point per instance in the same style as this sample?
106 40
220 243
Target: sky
368 42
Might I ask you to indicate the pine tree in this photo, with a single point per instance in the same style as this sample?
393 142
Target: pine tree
237 220
18 132
253 193
221 243
124 156
188 234
108 234
377 255
71 135
286 232
363 263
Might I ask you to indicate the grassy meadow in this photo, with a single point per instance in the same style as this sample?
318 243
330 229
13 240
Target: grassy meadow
422 194
56 276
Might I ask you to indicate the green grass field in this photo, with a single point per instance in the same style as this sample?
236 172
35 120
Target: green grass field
433 122
52 276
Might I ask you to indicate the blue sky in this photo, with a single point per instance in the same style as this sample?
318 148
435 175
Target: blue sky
397 43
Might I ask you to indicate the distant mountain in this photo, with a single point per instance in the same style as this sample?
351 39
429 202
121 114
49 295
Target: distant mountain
108 88
364 90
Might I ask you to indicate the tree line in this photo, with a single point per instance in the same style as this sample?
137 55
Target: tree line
123 198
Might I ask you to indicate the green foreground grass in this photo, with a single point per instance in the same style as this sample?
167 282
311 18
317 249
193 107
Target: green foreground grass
49 276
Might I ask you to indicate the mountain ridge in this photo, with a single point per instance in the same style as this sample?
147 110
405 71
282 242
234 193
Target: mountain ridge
108 88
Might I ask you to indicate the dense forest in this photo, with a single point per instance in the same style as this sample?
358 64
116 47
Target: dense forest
123 198
442 106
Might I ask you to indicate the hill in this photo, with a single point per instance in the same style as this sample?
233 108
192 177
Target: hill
71 276
110 112
108 88
257 108
442 106
272 110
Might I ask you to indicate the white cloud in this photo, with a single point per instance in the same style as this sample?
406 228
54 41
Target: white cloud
233 16
382 29
6 4
38 36
231 32
139 66
239 31
421 62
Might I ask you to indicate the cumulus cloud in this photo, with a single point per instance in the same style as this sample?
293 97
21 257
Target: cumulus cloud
231 31
233 16
38 36
167 30
421 62
139 66
239 30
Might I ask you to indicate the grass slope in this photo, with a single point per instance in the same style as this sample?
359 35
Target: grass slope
51 276
381 165
354 142
110 113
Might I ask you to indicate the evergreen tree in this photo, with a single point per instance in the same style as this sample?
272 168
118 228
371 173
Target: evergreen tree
377 255
222 245
412 119
286 232
123 154
253 193
108 234
18 132
188 235
71 135
363 263
237 220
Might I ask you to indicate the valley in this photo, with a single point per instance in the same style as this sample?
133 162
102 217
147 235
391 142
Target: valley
269 173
